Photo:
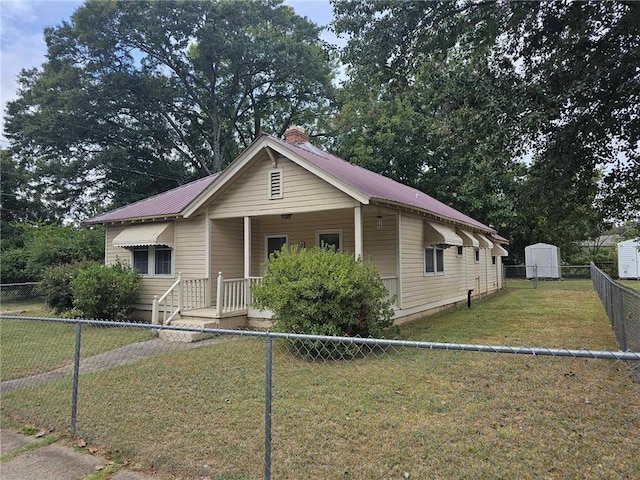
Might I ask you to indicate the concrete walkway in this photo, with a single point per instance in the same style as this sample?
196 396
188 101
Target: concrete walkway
35 461
120 356
56 461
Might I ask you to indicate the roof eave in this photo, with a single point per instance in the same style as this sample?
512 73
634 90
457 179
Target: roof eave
433 215
122 221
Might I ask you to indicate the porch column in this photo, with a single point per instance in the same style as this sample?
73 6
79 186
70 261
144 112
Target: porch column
357 224
247 247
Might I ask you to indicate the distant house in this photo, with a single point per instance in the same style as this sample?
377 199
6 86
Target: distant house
219 231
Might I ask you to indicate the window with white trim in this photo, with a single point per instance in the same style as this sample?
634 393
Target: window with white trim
152 260
433 260
275 184
477 255
329 239
460 251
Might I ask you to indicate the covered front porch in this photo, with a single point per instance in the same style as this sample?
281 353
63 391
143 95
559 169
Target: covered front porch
239 247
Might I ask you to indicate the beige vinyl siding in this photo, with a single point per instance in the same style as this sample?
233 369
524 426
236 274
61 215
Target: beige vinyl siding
227 244
299 228
115 254
190 247
460 273
188 256
228 238
381 245
302 192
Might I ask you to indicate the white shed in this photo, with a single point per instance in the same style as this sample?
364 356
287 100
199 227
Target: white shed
629 259
543 260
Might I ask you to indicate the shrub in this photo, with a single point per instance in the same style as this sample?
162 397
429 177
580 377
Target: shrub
319 291
105 292
55 286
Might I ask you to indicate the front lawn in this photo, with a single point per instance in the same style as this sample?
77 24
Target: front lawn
404 413
30 346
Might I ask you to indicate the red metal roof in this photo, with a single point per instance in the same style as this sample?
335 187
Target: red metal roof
164 204
377 186
370 184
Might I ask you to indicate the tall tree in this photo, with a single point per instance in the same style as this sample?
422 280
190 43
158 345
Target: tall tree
560 75
137 97
435 113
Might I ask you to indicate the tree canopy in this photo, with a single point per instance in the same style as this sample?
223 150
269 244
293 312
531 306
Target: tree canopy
524 115
551 84
138 97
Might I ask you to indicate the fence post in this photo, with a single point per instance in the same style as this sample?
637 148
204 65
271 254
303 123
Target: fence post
76 373
267 407
535 276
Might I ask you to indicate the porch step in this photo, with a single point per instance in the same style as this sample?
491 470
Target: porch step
181 336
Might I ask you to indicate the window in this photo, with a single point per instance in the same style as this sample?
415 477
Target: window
493 260
275 184
477 257
163 261
158 257
329 239
433 260
460 251
141 260
274 243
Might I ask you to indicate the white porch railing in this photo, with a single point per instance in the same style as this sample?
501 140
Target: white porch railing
251 281
183 295
232 295
168 304
196 293
391 284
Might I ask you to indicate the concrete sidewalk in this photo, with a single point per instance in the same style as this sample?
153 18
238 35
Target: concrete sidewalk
52 462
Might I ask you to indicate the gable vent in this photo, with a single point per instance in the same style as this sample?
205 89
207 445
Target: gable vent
275 184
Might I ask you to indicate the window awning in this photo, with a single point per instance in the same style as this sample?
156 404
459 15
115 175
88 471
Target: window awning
499 251
437 233
468 240
145 235
484 241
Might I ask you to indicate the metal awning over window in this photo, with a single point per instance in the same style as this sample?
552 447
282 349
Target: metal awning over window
145 235
484 241
468 240
499 251
439 234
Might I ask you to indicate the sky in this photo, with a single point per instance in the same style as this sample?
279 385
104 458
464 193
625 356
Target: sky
22 45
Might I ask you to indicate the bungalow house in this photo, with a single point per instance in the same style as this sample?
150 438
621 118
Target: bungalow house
200 247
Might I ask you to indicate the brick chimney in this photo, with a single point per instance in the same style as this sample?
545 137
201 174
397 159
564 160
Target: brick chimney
295 134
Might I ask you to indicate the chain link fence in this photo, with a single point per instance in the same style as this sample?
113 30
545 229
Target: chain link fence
249 404
15 296
515 276
622 306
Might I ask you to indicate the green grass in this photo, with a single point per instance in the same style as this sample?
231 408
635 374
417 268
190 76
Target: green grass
31 347
632 284
432 414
